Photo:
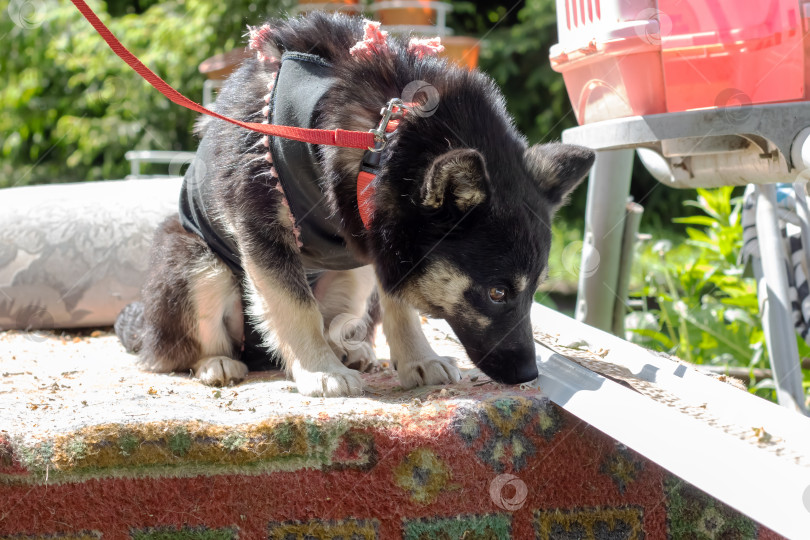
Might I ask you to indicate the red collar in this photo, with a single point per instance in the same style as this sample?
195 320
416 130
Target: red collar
370 166
365 193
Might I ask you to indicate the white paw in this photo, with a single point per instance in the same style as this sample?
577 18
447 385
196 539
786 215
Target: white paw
427 371
358 356
333 383
220 371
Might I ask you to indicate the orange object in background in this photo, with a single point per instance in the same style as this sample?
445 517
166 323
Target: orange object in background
462 50
618 78
806 28
624 58
334 5
347 2
718 47
220 66
415 16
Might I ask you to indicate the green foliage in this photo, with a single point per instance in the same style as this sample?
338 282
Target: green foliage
706 309
70 108
702 308
565 256
516 56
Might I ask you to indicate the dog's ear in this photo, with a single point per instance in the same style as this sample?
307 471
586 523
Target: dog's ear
456 177
558 168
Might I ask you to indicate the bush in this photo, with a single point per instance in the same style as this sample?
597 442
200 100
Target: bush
515 54
71 108
703 307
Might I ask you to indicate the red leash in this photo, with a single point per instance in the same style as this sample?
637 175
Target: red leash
338 137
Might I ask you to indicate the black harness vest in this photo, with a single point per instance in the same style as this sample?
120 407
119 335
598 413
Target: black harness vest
301 82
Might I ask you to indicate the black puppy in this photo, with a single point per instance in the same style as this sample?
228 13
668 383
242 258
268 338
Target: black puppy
452 216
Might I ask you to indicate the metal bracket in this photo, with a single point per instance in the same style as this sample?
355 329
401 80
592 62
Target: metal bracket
392 111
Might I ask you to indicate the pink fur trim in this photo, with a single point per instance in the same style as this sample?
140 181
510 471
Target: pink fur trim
296 231
257 37
426 46
373 42
274 174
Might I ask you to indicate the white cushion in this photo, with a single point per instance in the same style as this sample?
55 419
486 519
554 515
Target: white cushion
73 255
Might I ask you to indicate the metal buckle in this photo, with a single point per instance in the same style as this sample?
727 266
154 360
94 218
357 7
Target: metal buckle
388 113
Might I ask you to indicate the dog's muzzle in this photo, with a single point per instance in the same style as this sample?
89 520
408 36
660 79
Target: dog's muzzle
510 366
510 360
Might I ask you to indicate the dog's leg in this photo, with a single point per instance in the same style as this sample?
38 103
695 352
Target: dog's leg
280 302
217 303
342 297
416 362
192 316
286 313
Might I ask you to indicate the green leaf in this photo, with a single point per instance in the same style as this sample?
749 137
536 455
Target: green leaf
696 220
662 339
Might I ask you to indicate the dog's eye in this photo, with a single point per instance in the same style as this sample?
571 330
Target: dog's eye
497 295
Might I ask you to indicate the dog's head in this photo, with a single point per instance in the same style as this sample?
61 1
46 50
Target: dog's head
484 231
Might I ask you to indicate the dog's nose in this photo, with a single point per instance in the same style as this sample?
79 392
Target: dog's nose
525 372
511 366
518 372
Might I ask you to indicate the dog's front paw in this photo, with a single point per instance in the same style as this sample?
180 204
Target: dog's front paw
343 382
427 371
220 371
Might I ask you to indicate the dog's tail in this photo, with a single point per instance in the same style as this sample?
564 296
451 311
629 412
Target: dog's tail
129 326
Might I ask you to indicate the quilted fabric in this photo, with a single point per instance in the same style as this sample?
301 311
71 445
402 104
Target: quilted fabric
73 255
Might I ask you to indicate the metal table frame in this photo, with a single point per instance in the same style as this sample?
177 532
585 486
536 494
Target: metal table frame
771 131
